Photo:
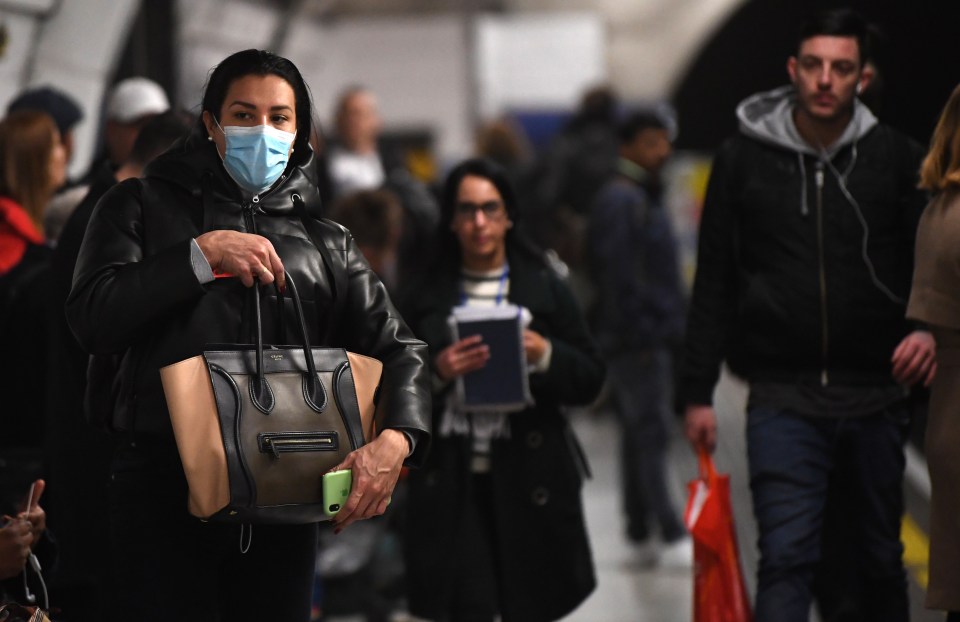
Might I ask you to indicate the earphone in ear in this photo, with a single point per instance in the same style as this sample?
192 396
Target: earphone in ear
859 87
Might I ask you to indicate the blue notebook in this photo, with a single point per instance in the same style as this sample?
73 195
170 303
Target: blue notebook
501 385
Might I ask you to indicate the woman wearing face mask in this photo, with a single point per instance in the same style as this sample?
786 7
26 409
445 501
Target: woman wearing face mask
495 523
164 269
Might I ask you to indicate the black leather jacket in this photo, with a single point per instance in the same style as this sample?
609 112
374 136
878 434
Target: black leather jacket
135 289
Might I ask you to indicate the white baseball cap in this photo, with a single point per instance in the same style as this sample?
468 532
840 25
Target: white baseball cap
134 98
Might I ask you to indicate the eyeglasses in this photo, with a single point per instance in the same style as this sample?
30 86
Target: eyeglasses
490 209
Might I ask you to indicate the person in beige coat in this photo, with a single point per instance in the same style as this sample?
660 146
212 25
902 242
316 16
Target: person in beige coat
935 300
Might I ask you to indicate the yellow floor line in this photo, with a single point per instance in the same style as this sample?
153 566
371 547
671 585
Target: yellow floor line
916 550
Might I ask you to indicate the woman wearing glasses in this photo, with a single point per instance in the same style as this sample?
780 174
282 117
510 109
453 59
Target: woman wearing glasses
496 524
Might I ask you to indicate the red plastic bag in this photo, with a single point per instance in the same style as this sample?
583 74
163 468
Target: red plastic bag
719 593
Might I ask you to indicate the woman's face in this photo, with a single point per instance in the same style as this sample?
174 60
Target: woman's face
480 223
255 100
58 163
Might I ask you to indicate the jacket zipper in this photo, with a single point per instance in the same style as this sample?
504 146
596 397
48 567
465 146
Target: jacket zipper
824 337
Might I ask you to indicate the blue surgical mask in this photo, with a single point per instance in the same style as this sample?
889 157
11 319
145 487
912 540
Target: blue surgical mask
256 156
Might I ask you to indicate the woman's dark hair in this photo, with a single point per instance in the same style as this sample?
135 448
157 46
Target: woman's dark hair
259 63
449 246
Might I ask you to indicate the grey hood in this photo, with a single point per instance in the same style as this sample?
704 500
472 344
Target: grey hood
768 117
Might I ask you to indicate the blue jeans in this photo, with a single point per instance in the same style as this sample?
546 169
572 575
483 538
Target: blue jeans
793 459
640 384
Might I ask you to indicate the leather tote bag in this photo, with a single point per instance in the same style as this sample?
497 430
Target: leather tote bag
258 426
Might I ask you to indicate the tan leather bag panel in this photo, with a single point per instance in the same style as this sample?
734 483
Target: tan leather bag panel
366 378
196 426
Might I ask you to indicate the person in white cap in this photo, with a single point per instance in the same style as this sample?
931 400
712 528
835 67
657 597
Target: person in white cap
131 103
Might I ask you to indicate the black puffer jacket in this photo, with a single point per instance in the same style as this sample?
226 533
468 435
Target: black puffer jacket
135 289
783 291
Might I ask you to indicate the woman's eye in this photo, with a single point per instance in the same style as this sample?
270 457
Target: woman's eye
279 119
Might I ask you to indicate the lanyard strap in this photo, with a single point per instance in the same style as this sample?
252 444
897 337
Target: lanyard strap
501 288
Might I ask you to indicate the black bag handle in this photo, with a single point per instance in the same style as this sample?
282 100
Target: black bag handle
260 392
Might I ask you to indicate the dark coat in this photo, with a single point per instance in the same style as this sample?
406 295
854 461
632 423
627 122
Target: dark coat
545 565
640 299
782 290
135 287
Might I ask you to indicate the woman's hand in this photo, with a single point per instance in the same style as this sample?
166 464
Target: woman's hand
462 357
376 469
245 255
534 345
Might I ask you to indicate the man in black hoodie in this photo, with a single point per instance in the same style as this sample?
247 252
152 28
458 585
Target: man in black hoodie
805 260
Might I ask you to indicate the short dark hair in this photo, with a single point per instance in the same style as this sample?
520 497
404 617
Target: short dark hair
637 122
374 217
259 63
837 23
157 135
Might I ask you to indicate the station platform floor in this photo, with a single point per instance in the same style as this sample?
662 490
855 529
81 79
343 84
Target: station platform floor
628 592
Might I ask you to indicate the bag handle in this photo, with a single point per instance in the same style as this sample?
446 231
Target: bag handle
260 392
708 470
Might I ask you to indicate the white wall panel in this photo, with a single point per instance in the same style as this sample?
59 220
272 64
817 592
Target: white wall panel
538 60
77 51
416 67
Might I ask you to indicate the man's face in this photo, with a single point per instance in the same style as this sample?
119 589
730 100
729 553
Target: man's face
650 149
359 120
826 72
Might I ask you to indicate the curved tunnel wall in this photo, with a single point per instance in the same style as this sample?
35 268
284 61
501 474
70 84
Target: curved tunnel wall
919 62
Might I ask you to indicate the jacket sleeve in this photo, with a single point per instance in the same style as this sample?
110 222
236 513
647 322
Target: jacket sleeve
117 293
374 327
576 371
713 305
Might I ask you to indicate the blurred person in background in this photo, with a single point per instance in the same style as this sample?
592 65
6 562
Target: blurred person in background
495 522
356 160
804 263
935 301
574 167
638 316
33 164
375 219
130 105
232 200
62 108
78 445
66 113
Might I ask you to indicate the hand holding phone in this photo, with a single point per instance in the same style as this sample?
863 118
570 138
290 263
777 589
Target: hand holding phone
336 489
32 511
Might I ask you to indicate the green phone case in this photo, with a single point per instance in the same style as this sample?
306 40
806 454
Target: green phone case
336 489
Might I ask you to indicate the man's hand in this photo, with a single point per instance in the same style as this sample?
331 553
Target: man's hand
915 359
16 537
700 426
245 255
376 469
461 357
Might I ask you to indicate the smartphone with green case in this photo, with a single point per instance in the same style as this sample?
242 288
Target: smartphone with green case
336 489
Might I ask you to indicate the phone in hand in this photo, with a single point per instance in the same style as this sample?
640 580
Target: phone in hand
336 489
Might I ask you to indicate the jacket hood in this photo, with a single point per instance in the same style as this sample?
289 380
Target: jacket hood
768 118
194 165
